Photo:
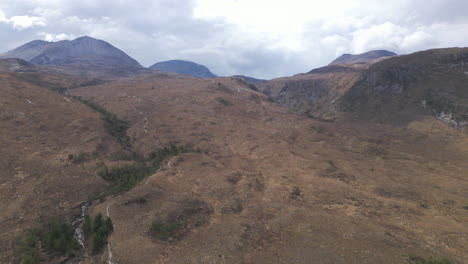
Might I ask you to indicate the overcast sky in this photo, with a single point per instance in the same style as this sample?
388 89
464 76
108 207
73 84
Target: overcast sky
259 38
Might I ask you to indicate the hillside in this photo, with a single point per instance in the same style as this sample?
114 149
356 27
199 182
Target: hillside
406 88
314 93
183 67
400 88
194 170
271 186
361 58
39 130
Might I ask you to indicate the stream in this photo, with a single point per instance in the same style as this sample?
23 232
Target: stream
77 225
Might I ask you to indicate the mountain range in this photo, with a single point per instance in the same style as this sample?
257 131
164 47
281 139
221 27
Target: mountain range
105 161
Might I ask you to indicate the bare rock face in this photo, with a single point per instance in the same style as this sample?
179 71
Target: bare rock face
81 50
432 80
363 57
184 67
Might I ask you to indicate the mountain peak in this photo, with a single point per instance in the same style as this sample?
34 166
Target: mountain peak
363 57
84 49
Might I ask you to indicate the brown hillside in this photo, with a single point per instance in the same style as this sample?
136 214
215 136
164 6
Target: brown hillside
270 186
405 88
39 129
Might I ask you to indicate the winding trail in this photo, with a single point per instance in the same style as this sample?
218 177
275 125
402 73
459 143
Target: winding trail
109 250
143 115
146 120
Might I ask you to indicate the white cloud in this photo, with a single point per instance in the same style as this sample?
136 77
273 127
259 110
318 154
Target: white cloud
383 36
3 17
55 37
22 22
417 41
339 43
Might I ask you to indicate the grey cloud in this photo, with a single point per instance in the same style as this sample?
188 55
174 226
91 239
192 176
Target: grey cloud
156 30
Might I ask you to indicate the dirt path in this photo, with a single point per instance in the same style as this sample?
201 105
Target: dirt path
143 115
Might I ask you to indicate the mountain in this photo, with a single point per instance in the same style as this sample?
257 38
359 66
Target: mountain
184 67
84 56
83 49
398 89
250 79
363 57
405 88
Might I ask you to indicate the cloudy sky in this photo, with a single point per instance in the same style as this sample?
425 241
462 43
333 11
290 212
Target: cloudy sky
260 38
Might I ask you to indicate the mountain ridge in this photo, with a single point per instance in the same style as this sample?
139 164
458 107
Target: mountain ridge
362 57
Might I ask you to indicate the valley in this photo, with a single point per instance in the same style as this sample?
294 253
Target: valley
342 164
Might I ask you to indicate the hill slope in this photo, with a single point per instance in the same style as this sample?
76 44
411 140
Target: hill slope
271 186
405 88
363 57
183 67
230 176
39 131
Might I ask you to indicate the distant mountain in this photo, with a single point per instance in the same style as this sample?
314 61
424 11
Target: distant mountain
84 56
363 57
250 79
81 50
184 67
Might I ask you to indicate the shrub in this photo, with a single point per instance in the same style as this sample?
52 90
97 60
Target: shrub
121 156
137 200
29 252
79 157
164 230
415 259
235 206
125 177
87 226
97 231
115 126
56 238
296 192
59 238
223 101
